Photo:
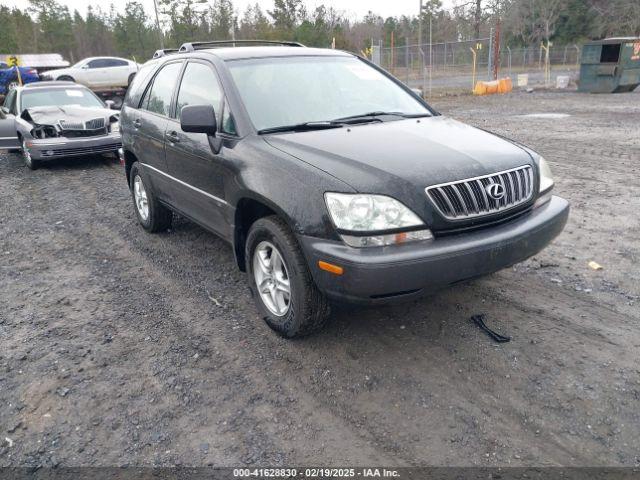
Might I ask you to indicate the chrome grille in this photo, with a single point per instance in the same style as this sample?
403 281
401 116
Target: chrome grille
95 124
67 125
63 152
469 198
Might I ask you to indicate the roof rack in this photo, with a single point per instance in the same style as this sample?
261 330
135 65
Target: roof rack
192 46
163 52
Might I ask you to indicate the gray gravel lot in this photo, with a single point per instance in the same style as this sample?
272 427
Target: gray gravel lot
112 351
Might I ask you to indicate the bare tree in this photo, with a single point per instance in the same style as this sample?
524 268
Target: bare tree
470 11
535 20
617 17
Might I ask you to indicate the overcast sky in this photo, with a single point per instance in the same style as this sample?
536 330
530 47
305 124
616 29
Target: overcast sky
353 8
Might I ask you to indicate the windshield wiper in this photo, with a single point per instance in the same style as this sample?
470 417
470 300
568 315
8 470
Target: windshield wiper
373 116
301 127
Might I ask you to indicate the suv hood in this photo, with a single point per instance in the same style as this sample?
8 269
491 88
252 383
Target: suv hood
401 158
421 152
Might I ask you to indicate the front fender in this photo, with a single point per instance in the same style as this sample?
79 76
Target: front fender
288 186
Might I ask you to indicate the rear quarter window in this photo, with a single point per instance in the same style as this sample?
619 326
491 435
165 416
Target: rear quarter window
138 86
159 95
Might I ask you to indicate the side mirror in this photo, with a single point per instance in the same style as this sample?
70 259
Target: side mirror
198 119
85 66
109 104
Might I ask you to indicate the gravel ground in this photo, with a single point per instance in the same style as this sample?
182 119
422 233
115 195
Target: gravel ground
122 348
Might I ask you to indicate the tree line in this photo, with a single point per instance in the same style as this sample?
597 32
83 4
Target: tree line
45 26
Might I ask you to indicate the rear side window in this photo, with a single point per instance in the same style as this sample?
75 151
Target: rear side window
135 90
199 87
113 62
158 96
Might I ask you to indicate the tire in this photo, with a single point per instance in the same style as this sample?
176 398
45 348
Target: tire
26 156
157 217
307 309
65 78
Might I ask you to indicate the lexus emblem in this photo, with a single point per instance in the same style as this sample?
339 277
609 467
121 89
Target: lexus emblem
495 191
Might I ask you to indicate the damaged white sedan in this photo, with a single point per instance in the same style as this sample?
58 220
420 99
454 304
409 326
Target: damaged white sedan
49 120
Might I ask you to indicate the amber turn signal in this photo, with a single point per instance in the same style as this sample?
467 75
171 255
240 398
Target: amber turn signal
331 268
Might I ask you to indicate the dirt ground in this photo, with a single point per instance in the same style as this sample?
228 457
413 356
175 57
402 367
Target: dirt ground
122 348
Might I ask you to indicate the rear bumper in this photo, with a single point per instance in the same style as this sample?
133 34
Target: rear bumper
51 148
378 275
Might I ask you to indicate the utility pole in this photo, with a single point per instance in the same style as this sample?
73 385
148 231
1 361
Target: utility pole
160 36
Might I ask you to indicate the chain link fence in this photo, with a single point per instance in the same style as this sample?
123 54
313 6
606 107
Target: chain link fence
449 67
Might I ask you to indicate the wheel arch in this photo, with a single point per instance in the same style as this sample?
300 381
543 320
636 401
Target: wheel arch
249 209
129 159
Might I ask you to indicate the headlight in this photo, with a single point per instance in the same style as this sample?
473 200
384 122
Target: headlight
363 213
373 213
115 127
546 179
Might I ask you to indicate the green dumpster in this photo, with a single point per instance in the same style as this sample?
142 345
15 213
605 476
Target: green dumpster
611 65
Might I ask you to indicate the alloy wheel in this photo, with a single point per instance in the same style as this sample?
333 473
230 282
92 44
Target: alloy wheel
272 278
140 196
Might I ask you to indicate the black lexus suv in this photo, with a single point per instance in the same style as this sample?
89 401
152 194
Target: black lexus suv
331 179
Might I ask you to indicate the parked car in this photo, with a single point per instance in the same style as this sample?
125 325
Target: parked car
329 177
98 73
9 78
50 120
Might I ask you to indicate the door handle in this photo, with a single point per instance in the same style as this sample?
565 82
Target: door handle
172 137
136 123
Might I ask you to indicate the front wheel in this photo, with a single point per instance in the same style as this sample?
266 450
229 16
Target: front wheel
152 215
281 282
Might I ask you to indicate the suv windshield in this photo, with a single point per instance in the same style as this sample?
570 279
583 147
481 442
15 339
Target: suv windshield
295 90
60 96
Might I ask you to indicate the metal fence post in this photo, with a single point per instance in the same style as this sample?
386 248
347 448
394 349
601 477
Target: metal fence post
445 56
509 52
490 60
473 75
406 57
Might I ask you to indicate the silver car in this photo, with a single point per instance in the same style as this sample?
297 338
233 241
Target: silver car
50 120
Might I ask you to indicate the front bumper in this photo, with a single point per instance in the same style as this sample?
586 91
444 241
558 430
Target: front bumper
51 148
383 274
